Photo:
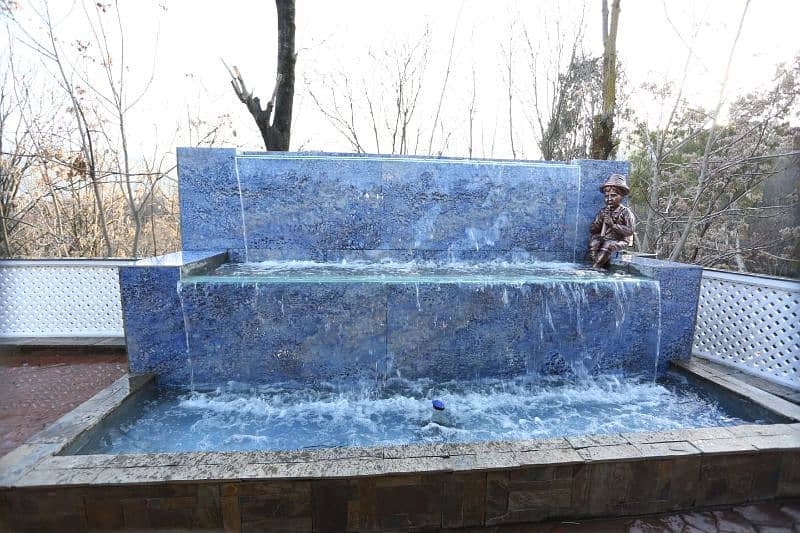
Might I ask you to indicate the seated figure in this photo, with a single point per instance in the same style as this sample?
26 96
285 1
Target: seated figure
613 227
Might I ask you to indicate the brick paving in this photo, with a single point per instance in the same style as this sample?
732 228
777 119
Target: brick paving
765 517
39 385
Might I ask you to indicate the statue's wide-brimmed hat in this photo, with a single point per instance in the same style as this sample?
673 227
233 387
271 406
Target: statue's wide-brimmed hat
616 180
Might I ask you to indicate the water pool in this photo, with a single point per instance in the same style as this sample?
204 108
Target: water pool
284 417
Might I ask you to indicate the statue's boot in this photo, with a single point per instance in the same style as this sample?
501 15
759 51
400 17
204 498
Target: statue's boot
602 259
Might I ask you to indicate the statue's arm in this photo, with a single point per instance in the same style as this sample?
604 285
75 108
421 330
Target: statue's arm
597 224
627 225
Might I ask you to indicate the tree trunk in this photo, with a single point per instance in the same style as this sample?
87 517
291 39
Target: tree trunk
275 130
280 132
603 124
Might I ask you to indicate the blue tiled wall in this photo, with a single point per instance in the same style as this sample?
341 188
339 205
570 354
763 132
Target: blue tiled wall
335 206
679 292
295 206
257 331
151 310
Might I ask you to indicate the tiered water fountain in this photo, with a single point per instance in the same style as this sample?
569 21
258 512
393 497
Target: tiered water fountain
358 275
365 343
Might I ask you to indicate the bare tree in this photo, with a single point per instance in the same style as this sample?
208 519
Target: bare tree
565 92
136 187
471 109
386 110
275 130
660 145
15 160
559 92
741 213
77 185
85 163
508 74
444 83
702 177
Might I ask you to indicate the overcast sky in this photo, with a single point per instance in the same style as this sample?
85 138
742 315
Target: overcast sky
185 40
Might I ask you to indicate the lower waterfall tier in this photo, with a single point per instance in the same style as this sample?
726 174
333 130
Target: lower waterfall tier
311 322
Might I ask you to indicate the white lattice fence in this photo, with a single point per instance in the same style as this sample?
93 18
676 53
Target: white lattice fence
60 298
752 323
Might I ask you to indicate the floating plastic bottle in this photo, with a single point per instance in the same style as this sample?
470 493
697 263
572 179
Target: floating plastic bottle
440 415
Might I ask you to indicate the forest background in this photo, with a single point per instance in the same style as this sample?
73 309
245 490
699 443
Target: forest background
95 96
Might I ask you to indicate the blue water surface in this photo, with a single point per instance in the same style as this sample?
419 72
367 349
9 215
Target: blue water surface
290 417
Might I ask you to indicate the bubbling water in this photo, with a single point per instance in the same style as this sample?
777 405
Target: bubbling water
414 271
286 417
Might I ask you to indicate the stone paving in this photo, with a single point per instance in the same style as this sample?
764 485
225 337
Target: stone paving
768 517
38 385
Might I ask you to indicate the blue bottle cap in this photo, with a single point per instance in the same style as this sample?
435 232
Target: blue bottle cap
438 405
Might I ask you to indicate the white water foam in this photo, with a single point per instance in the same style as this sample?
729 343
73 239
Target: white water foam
189 360
288 417
241 211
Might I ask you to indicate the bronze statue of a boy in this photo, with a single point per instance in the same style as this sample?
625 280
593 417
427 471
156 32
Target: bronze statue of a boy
613 227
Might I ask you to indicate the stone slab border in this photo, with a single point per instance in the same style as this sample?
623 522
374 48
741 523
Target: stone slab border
395 487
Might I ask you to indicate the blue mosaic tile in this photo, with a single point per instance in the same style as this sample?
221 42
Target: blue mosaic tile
680 291
299 206
340 207
209 198
465 206
263 333
152 315
260 332
305 206
154 332
451 331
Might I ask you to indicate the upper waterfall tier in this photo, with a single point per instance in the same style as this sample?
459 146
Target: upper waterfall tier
328 206
359 271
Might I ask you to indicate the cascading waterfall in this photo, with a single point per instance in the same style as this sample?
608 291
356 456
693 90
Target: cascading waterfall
658 334
291 320
189 362
580 324
441 297
241 211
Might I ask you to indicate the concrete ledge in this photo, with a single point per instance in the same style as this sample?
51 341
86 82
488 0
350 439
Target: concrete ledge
718 375
432 494
62 341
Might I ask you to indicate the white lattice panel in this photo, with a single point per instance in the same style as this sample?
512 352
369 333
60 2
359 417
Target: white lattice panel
60 299
752 323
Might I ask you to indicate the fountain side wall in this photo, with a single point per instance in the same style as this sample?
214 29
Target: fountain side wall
153 319
680 290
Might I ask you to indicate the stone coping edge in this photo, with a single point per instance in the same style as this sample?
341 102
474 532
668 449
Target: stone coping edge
39 463
758 396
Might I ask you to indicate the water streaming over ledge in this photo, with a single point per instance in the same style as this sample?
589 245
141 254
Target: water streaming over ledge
320 321
490 272
186 330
